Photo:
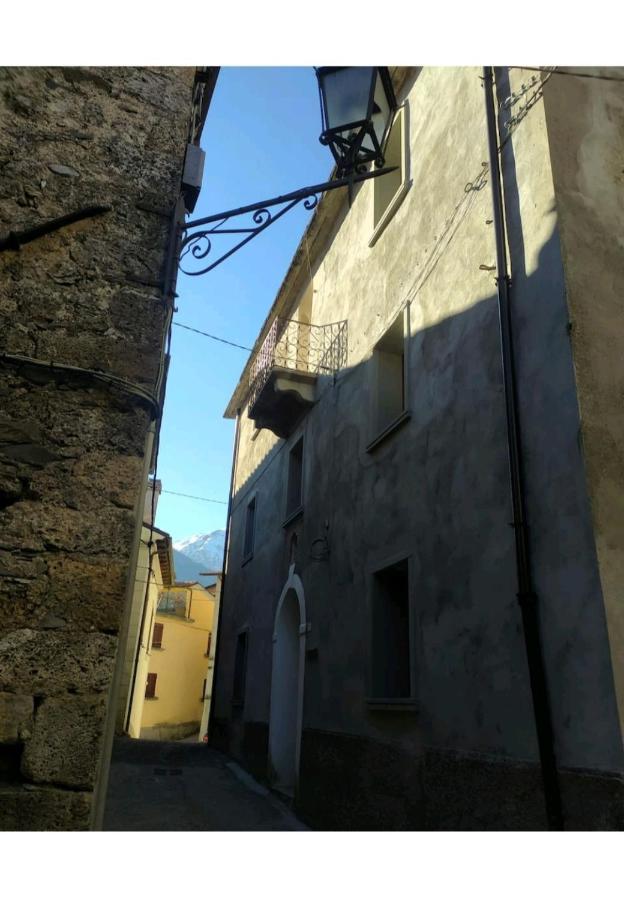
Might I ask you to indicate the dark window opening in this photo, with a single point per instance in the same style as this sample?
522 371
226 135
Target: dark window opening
294 494
250 529
209 644
203 693
390 633
157 635
240 670
150 686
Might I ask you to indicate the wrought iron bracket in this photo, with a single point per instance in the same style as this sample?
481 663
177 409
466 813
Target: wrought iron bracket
198 244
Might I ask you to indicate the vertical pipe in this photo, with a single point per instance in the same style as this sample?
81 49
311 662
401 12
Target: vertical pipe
526 593
226 546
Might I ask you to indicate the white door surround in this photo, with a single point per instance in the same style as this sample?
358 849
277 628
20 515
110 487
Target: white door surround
288 667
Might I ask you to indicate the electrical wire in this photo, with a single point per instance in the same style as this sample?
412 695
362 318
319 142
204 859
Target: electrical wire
558 71
194 497
212 337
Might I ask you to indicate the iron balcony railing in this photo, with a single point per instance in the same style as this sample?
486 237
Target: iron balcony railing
317 349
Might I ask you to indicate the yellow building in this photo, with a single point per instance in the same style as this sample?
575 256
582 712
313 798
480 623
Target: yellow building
176 663
155 572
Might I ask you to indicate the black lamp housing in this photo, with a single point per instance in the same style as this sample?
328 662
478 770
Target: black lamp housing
357 106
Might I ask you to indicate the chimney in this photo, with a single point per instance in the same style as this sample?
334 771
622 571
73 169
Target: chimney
153 490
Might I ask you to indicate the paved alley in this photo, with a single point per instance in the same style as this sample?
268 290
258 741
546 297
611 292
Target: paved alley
181 786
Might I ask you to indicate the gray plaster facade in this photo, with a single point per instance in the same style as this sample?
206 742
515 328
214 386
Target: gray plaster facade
461 750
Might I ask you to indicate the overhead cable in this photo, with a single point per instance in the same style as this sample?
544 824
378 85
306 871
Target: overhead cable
194 497
213 337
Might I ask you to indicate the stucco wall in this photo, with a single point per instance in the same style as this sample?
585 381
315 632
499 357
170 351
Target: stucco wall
72 449
436 489
585 119
180 665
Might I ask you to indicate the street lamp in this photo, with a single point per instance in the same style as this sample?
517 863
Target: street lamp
357 107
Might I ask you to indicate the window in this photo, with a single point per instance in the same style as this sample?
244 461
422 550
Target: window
391 658
389 190
209 644
157 636
240 670
294 493
389 377
203 693
250 530
150 686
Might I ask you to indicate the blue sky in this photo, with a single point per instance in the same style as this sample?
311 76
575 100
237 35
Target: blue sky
261 140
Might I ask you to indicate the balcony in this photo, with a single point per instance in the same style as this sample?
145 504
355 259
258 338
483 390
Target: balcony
284 374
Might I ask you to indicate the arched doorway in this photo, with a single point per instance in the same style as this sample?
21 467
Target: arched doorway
287 686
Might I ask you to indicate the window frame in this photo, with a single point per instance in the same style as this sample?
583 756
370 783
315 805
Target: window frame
378 433
401 116
392 704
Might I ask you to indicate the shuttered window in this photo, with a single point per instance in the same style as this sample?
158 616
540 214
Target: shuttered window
209 644
150 685
157 636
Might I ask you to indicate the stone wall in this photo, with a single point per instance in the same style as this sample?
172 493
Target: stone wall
89 295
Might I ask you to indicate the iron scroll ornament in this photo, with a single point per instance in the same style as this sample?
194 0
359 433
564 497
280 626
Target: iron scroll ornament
199 244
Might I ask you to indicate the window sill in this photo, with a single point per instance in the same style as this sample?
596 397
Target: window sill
392 704
389 212
291 517
388 430
157 648
247 559
152 698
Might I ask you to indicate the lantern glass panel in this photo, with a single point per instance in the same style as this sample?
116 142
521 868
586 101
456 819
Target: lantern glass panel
347 93
382 114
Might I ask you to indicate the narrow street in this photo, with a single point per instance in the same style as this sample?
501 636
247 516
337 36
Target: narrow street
181 786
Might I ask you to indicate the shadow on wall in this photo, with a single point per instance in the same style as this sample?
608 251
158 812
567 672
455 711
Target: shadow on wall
442 478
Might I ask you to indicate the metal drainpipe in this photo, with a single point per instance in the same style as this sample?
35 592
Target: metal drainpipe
527 597
213 690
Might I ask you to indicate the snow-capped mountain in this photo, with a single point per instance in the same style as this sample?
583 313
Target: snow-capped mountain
198 553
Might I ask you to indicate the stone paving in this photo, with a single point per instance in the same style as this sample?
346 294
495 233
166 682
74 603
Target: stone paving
182 786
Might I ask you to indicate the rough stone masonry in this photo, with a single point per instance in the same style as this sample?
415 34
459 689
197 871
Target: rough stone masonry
88 295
